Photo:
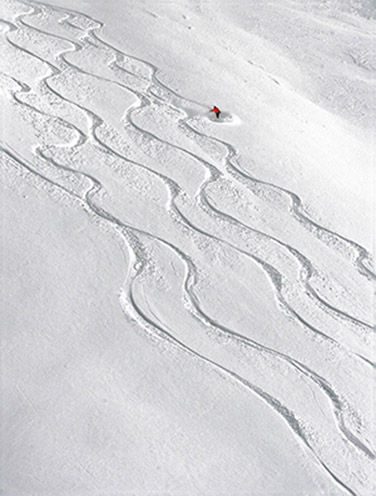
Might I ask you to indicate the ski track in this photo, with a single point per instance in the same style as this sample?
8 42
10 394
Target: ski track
215 173
132 309
306 265
98 122
77 47
131 233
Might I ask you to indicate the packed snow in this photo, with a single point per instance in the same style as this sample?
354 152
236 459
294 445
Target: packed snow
187 302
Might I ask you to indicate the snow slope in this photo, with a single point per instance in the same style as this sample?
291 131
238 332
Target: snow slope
187 304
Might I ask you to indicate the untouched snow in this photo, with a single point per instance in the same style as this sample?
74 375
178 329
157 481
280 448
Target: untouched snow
187 304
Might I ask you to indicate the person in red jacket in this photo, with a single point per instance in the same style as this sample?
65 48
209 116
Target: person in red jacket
216 110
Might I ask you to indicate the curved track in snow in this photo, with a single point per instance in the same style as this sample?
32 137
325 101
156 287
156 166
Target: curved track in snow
334 329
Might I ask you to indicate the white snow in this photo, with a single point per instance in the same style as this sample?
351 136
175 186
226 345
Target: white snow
187 304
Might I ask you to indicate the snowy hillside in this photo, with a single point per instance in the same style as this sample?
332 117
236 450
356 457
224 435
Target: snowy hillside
187 303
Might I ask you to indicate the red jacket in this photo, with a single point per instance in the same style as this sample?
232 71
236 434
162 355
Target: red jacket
216 110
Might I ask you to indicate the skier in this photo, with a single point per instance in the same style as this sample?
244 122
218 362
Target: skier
216 110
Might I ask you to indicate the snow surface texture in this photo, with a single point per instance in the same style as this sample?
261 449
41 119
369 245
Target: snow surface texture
187 304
